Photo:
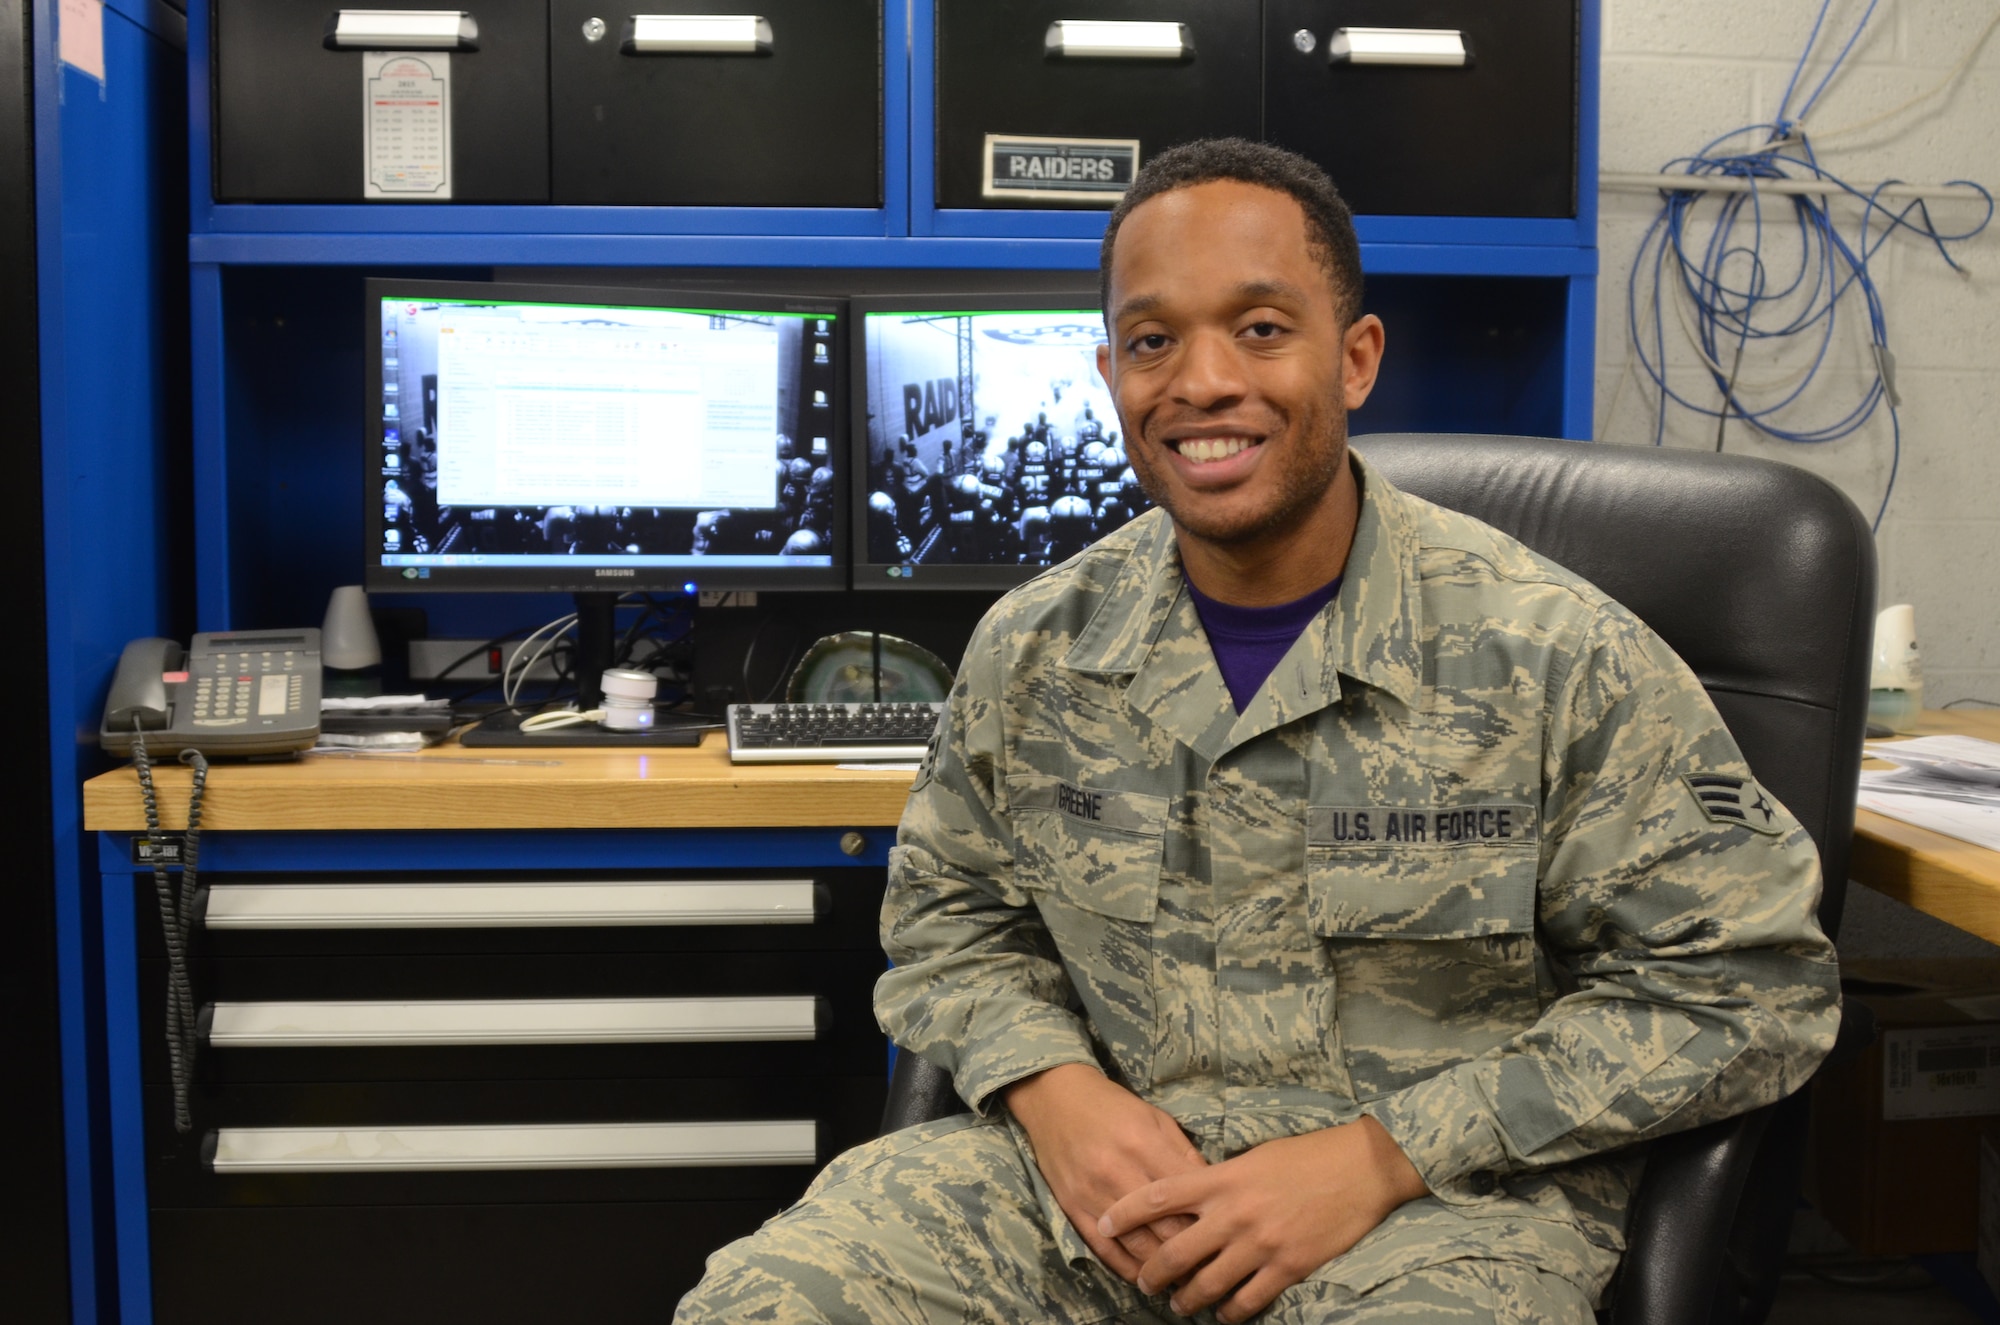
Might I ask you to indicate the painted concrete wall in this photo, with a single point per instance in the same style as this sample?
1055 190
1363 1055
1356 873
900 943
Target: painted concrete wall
1677 73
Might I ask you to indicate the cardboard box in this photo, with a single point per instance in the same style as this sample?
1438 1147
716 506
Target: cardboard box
1896 1133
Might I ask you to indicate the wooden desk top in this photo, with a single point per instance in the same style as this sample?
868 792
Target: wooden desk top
452 787
1955 881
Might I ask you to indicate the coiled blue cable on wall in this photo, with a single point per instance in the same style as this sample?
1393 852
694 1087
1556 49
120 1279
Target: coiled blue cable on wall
1731 299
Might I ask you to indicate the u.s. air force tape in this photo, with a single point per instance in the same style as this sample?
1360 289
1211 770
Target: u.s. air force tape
1502 824
1728 799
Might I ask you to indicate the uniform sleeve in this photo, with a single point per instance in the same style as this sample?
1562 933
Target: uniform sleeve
976 986
1676 907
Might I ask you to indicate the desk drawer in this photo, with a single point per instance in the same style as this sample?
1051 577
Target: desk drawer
512 903
650 110
1005 69
290 112
465 1022
1493 136
605 1264
576 1140
422 915
479 1017
512 1148
535 975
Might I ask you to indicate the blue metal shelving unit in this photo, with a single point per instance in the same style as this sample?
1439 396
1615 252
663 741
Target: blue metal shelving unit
108 543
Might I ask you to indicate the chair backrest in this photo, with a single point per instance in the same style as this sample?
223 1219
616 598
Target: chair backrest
1759 574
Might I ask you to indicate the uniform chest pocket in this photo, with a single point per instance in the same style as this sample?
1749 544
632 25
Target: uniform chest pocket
1100 850
1433 953
1091 858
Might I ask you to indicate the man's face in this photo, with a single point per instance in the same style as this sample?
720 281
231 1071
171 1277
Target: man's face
1229 365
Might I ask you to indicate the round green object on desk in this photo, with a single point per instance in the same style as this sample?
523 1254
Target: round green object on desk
843 669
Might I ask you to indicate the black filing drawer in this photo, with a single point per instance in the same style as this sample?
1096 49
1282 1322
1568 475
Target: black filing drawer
290 114
1495 136
623 1263
494 1061
786 112
1002 70
375 1143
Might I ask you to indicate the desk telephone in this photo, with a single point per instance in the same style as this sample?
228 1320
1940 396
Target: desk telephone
234 693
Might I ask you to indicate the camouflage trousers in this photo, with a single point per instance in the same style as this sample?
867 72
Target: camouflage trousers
950 1223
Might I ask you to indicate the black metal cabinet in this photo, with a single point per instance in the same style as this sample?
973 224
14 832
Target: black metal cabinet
1495 136
289 112
999 72
786 112
412 1159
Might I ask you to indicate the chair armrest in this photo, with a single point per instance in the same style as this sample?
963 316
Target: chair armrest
1678 1238
919 1092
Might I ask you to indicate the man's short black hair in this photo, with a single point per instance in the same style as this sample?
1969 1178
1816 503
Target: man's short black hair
1329 224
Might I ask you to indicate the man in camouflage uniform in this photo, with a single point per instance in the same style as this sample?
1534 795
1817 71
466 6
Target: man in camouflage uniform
1339 994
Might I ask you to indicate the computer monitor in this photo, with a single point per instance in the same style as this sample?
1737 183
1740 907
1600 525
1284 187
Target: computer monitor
602 441
986 445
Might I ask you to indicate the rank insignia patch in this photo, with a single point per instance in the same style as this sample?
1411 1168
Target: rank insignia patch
1726 799
929 765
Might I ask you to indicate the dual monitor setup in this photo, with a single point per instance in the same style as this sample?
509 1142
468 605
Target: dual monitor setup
604 441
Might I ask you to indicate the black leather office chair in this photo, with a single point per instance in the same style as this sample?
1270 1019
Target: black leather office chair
1762 577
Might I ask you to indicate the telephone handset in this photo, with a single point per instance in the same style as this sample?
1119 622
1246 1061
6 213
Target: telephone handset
233 693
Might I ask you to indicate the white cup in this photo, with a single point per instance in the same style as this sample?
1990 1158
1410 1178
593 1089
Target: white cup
1896 685
1898 666
347 640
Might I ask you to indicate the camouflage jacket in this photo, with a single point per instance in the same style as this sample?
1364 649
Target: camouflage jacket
1480 860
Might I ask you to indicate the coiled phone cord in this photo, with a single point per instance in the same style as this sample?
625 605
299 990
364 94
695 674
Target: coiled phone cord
176 916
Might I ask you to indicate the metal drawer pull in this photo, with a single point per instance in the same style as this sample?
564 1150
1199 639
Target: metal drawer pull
509 905
402 30
512 1021
1112 39
547 1146
696 34
1432 46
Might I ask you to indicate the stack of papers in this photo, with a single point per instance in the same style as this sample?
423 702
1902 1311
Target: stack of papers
1949 784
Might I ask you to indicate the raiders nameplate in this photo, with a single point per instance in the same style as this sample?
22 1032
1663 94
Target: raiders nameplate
1084 170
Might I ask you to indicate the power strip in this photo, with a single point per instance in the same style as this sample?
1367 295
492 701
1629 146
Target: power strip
429 658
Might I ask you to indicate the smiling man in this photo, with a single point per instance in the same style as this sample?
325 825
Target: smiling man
1309 890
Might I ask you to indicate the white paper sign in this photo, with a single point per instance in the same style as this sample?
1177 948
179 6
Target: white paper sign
406 124
1940 1072
80 36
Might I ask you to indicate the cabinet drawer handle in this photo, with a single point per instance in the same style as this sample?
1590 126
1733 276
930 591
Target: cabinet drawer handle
325 1025
526 904
1117 39
696 34
546 1146
402 30
1408 46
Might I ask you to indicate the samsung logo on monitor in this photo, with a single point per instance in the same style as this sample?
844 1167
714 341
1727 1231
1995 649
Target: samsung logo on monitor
615 574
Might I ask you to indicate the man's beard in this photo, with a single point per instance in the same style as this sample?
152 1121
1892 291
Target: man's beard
1310 471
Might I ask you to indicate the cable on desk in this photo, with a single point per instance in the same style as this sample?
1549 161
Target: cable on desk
176 916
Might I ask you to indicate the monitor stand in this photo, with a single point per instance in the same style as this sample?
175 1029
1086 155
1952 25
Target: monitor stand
596 645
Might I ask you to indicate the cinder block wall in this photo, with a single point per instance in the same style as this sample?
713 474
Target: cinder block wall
1677 73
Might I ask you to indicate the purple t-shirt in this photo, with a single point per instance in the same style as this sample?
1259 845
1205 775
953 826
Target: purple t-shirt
1249 641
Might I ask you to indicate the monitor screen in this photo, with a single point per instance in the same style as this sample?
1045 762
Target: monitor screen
991 446
532 437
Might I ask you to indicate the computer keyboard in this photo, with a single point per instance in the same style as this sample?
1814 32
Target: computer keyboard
829 733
